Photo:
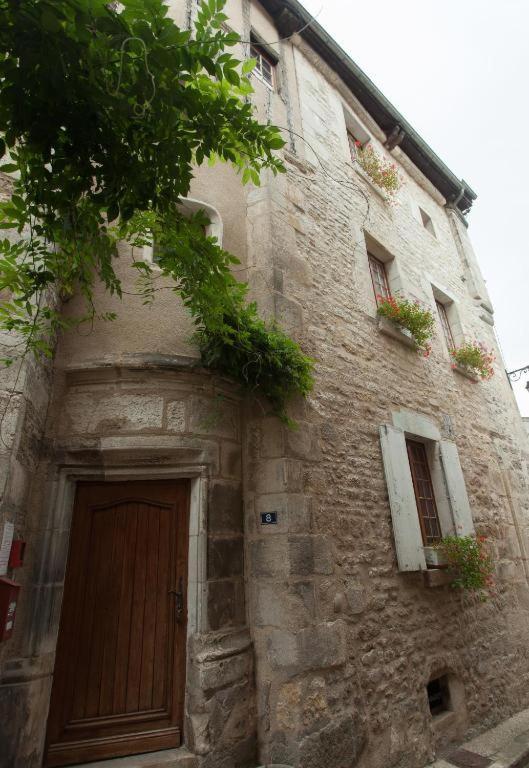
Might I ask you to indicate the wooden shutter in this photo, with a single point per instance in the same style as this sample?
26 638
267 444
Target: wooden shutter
406 527
456 488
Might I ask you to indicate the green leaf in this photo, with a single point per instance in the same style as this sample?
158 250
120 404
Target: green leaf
231 76
8 168
248 65
276 142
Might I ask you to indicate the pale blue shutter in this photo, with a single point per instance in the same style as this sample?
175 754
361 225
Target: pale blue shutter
406 527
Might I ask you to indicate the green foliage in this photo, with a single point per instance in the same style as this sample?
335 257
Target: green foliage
476 357
409 314
468 557
105 110
261 357
232 338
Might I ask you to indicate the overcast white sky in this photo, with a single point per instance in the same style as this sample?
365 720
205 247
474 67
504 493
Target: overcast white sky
458 71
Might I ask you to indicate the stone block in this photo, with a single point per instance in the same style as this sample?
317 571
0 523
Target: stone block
322 646
302 443
310 555
225 557
289 313
296 270
282 649
272 438
357 599
225 511
224 672
13 410
339 744
296 196
278 476
230 460
88 413
226 604
269 557
218 417
21 722
293 512
277 604
232 721
176 416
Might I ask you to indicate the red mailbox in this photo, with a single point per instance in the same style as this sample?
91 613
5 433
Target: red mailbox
8 606
16 556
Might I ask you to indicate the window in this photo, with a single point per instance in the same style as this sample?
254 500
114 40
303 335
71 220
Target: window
445 324
425 487
379 277
158 251
438 695
424 495
427 222
264 69
190 205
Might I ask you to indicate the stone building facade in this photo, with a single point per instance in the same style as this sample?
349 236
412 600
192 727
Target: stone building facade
322 639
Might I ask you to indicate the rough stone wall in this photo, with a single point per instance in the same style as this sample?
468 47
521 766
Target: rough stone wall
24 396
345 644
144 418
313 633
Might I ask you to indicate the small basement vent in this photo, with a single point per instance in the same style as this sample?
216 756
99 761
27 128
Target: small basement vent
438 695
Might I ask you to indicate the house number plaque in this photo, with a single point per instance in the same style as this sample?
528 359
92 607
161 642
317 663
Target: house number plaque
268 518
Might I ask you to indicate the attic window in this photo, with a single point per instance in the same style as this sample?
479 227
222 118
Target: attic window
427 222
438 695
265 68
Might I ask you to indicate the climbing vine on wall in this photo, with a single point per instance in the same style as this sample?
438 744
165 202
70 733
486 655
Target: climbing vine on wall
105 110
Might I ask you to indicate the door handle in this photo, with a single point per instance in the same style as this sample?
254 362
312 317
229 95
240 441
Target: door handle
179 599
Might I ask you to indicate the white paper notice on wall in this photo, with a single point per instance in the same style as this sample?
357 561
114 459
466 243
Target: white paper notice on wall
5 549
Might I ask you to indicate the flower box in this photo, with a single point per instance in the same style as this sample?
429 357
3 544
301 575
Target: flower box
464 371
406 320
389 328
473 360
435 557
438 577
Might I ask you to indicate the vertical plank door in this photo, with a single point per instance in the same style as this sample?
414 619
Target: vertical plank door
119 675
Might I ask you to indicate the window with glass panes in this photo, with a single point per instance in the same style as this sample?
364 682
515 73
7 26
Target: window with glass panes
379 277
424 494
264 68
445 324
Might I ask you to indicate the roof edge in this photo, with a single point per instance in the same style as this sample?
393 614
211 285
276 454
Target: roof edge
291 17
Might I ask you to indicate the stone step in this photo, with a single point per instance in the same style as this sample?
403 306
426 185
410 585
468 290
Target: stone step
167 758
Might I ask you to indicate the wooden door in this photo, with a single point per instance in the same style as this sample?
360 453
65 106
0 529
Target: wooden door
119 676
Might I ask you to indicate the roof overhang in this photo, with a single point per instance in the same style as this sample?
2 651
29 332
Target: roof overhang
290 16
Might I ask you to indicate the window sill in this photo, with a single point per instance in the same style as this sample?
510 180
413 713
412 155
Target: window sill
363 175
434 557
394 331
466 372
444 722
